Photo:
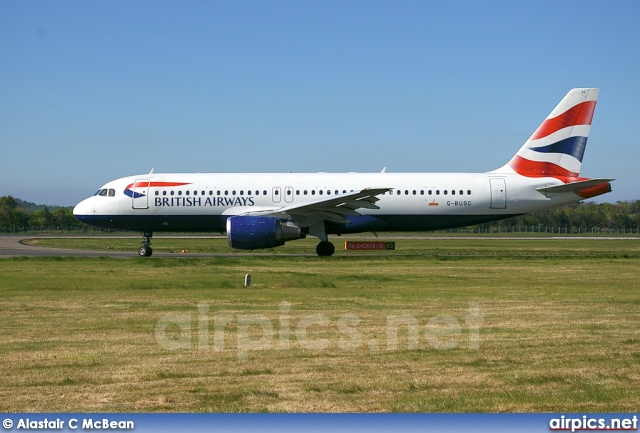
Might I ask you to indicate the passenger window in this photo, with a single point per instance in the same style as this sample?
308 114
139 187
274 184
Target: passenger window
288 192
320 192
437 192
164 192
218 192
422 192
241 192
173 192
461 192
226 192
445 192
337 192
453 192
157 192
264 192
186 192
297 192
305 192
313 192
179 192
414 192
468 192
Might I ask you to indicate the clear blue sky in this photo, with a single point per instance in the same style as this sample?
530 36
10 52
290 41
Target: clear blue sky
93 91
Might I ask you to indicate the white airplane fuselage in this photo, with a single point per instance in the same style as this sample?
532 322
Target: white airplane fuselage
415 202
263 210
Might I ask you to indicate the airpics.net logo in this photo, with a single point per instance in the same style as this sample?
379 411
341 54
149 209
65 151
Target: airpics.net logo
217 331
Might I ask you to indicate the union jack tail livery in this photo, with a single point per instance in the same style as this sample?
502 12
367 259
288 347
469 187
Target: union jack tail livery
556 148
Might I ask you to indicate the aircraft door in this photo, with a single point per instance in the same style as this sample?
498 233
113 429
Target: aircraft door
498 193
288 194
276 193
140 194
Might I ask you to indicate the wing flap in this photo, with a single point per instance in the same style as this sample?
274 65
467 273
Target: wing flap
357 204
334 218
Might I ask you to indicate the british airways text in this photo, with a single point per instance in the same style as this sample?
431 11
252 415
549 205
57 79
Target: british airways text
200 201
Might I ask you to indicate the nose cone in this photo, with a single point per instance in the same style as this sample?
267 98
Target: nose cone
82 210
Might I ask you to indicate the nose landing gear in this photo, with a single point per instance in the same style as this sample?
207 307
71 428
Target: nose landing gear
145 250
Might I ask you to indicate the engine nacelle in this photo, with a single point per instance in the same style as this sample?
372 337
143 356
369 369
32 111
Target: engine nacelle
254 232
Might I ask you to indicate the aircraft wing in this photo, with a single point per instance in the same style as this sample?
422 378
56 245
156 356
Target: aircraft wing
332 208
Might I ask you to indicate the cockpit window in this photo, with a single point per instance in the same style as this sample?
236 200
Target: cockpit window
106 192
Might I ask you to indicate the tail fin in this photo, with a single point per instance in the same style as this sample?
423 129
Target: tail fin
557 147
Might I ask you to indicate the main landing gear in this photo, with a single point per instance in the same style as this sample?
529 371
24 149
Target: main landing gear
145 250
325 249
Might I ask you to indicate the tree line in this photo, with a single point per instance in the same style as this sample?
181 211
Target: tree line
621 215
587 215
17 213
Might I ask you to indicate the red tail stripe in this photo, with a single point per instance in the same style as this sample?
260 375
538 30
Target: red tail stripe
580 114
530 168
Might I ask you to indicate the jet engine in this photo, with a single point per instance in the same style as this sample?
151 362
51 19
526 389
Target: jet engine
254 232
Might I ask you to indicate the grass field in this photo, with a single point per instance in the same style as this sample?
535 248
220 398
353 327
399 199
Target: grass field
407 244
455 325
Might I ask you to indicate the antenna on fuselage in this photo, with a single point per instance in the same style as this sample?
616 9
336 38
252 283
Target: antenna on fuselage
151 172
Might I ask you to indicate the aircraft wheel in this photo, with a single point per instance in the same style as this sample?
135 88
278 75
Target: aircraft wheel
325 249
145 251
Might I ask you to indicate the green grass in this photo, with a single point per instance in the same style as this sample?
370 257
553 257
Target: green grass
409 245
559 330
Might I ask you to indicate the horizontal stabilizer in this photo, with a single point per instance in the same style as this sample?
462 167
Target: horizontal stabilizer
573 186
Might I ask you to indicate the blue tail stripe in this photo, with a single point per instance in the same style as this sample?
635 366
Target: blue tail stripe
573 146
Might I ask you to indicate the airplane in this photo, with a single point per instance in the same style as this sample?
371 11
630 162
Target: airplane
265 210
